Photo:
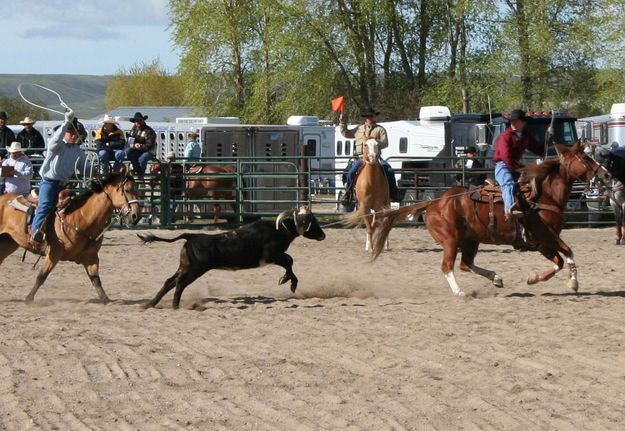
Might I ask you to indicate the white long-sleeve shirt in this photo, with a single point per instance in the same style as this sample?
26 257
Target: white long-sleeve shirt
20 182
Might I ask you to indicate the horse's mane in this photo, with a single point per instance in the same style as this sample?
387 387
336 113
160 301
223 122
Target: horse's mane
96 186
538 173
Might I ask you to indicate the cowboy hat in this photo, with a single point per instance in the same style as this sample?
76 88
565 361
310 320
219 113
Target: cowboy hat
369 112
138 117
518 114
469 150
107 119
15 147
171 155
3 116
27 120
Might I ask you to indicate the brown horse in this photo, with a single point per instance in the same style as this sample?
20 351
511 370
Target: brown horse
76 232
215 187
457 222
371 190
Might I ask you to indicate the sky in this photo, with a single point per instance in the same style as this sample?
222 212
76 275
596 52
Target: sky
84 36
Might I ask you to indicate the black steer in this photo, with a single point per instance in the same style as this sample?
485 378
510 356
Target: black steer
250 246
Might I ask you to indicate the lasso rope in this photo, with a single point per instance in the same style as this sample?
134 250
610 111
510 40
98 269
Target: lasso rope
61 102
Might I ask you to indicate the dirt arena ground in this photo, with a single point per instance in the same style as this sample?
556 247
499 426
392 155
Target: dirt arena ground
360 346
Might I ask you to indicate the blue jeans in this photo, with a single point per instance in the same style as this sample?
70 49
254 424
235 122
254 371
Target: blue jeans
106 156
139 160
388 170
506 181
48 196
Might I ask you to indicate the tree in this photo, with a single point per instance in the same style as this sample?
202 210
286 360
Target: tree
144 84
17 109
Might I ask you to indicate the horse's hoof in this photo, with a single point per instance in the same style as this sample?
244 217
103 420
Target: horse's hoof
498 281
617 242
532 278
29 300
573 284
147 306
460 294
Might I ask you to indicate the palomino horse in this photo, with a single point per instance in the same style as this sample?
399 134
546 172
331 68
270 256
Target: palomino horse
76 232
371 190
456 221
215 187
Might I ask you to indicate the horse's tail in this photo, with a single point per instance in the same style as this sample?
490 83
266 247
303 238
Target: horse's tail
355 217
388 219
148 237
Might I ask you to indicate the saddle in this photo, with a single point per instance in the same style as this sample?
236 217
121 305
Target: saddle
28 204
491 195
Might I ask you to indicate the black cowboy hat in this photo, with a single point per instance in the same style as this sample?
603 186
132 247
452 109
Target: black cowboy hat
3 116
518 114
369 112
468 150
138 117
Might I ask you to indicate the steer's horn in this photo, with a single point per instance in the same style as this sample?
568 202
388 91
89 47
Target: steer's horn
282 215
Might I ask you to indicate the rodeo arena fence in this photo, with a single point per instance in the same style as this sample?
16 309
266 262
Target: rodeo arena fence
265 187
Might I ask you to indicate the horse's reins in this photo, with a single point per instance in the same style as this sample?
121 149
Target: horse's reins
126 209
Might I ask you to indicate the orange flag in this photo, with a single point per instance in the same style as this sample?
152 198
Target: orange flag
338 104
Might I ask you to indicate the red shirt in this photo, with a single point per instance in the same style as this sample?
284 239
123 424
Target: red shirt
509 147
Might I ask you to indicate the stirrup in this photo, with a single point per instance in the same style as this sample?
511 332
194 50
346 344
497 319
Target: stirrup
347 198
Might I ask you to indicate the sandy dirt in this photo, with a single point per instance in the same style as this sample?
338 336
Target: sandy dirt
361 345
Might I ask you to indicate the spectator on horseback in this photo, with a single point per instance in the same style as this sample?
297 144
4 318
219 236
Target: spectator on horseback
368 130
30 138
110 141
193 151
509 148
19 172
6 134
142 144
62 153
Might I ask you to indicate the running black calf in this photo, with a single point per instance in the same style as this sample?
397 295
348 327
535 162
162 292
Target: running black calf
250 246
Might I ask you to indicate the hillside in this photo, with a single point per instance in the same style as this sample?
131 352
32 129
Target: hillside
84 93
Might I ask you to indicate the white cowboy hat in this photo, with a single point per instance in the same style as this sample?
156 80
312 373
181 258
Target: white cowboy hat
107 119
16 147
27 120
171 155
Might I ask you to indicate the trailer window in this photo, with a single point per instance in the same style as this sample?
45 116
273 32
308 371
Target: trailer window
569 133
403 145
339 148
310 149
348 149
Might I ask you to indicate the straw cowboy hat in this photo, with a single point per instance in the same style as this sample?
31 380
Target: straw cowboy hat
107 119
27 120
171 155
16 147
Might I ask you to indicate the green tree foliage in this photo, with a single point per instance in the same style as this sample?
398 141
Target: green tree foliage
264 60
144 84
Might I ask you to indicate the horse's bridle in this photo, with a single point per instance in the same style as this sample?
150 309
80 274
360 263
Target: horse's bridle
594 171
125 209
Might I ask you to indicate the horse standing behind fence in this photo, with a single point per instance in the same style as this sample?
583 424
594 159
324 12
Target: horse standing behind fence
215 187
74 233
457 222
371 190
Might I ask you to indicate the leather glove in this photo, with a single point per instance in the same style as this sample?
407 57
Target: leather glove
69 116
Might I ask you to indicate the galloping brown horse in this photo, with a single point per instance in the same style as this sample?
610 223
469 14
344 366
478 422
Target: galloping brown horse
457 222
371 190
215 187
75 233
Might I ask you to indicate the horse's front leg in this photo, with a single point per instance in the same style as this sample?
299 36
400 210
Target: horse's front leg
93 271
368 219
553 256
48 266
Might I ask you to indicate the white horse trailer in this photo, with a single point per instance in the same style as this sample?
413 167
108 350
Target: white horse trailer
606 130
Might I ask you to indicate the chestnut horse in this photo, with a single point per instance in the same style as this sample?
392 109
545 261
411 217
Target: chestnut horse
215 187
371 190
457 222
76 232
